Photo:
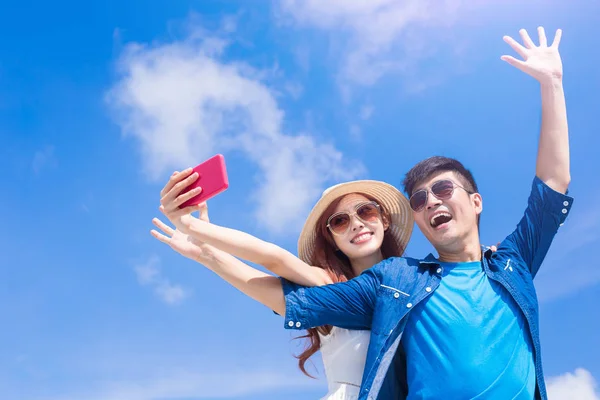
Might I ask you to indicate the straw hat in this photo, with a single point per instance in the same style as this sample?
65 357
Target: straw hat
386 195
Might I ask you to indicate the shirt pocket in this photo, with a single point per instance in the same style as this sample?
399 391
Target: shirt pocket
392 305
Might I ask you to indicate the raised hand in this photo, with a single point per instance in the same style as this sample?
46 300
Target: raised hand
542 62
185 245
171 198
182 243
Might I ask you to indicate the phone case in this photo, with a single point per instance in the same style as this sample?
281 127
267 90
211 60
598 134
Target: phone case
212 178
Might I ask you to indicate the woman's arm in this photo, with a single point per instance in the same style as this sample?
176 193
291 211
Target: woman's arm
262 287
276 259
256 284
240 244
348 305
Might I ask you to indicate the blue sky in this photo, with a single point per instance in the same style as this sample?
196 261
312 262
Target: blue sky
99 105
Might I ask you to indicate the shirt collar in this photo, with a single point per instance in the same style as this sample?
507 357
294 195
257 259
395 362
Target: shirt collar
429 261
486 251
432 260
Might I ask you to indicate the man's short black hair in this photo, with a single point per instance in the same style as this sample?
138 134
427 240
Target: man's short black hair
436 164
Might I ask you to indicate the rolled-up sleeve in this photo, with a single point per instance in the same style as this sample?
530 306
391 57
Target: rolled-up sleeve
348 305
546 211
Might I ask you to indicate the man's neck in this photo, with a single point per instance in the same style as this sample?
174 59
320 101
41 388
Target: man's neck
465 252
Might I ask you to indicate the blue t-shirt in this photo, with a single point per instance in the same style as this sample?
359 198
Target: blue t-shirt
468 340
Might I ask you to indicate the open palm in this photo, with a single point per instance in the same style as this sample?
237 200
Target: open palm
180 242
542 62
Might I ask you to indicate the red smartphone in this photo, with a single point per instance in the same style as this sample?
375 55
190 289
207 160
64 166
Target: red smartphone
212 178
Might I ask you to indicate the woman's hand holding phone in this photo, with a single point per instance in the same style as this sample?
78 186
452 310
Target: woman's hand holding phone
179 198
172 197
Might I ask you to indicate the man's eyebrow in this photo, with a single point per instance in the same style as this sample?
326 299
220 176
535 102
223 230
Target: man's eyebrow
419 187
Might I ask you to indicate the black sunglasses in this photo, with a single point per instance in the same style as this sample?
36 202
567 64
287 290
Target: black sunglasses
442 190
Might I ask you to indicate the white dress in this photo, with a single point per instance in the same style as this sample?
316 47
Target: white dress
344 355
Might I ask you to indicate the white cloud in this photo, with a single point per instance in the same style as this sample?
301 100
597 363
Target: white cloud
43 158
182 104
376 36
294 89
579 385
293 177
355 132
366 112
171 294
196 385
148 274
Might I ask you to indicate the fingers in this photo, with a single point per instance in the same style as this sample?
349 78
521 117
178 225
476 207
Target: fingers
514 62
179 200
178 213
542 36
162 226
526 39
557 38
169 184
161 237
203 209
172 199
175 177
522 51
188 210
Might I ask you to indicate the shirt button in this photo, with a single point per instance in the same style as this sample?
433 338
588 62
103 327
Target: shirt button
565 203
291 323
439 271
298 324
409 305
428 289
561 224
564 210
396 295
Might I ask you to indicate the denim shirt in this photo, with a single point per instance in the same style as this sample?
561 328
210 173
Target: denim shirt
380 299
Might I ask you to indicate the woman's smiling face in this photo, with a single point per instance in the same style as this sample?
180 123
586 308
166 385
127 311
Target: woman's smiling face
361 239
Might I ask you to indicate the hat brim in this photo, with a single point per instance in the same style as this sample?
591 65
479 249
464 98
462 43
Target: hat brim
390 198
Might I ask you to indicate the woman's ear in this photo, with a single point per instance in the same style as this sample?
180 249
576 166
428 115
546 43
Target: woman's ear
386 224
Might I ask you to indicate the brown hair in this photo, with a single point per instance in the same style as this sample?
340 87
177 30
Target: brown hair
339 269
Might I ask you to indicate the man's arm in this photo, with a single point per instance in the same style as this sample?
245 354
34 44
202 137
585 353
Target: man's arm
348 305
553 150
543 62
548 206
546 211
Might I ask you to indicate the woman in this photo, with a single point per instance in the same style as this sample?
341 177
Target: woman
351 228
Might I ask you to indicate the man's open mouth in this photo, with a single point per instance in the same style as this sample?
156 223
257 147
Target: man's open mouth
440 218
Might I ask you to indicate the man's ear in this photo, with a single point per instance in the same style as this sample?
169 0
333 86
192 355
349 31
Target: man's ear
477 202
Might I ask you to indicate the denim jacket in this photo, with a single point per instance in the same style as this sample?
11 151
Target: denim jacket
380 299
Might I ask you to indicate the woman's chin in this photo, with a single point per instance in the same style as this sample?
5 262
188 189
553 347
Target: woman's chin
363 250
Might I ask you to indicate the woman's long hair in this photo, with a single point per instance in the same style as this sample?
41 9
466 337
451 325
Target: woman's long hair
339 269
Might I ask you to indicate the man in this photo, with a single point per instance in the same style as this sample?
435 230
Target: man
464 324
